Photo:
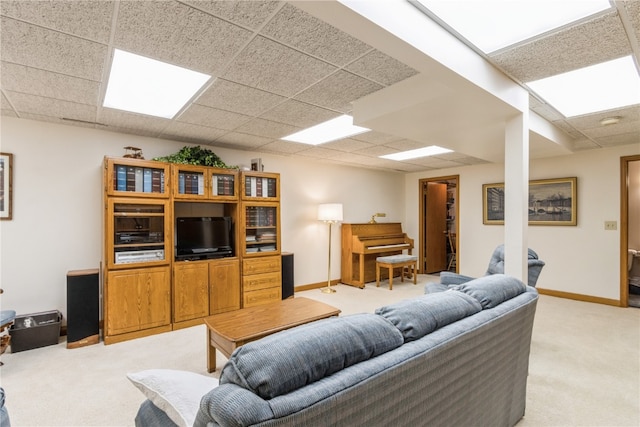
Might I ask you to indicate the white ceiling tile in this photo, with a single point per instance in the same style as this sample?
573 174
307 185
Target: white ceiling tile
434 162
284 147
273 67
619 139
18 78
628 116
267 128
8 112
87 19
251 14
584 144
37 47
180 130
238 98
632 9
212 117
348 144
598 40
376 150
321 153
404 145
299 114
243 140
178 34
468 160
338 91
381 68
293 27
38 105
138 124
376 138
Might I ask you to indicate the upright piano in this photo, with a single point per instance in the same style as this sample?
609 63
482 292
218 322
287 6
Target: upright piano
363 243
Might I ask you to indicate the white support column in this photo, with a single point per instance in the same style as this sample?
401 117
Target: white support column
516 217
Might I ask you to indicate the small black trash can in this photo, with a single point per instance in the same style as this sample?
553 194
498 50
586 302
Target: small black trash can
35 330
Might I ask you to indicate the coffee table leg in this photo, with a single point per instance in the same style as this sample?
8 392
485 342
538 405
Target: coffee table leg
211 355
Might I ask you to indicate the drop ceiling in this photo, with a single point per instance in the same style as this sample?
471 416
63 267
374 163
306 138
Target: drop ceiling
278 69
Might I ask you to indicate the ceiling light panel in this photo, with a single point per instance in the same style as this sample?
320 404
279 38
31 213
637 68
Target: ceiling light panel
432 150
600 87
331 130
143 85
494 24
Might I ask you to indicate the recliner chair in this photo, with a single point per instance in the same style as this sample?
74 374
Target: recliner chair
496 266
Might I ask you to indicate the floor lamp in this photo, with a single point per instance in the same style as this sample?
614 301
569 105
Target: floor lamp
331 213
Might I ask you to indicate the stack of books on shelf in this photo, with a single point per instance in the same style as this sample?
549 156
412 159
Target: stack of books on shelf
223 185
190 183
260 216
267 236
259 187
141 180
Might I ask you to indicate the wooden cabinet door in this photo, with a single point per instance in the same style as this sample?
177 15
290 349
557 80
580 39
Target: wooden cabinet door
190 291
121 302
224 286
154 286
137 299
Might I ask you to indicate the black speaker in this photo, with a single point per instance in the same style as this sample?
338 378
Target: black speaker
287 275
83 308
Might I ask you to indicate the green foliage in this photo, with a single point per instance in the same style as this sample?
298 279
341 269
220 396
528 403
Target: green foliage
195 156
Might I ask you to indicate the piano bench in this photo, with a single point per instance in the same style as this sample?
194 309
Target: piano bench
410 262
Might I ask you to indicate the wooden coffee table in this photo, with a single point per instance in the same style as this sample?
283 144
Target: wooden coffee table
230 330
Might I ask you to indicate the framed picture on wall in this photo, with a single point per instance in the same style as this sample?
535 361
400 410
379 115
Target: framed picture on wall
551 202
6 190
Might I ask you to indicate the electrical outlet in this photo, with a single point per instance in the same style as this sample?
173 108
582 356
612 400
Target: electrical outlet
610 225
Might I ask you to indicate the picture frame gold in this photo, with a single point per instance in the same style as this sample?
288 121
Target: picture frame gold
6 186
551 202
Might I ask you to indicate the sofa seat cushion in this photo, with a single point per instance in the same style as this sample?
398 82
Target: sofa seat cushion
420 316
493 289
290 359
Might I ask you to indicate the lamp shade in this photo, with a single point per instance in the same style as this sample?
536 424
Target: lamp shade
330 212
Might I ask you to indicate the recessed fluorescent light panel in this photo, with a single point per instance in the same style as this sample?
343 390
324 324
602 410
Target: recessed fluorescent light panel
494 24
600 87
331 130
432 150
146 86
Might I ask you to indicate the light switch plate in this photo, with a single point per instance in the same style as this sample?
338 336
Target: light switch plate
610 225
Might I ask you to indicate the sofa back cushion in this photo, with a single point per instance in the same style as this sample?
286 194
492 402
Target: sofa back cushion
420 316
492 290
288 360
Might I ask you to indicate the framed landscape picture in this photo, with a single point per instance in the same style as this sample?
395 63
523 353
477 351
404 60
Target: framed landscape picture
551 202
6 190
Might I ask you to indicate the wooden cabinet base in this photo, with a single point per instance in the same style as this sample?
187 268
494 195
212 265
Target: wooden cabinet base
112 339
188 323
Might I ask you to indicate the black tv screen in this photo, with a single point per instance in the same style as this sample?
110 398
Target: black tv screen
204 237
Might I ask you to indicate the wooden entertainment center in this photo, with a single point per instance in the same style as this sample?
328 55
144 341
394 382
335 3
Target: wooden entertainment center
147 287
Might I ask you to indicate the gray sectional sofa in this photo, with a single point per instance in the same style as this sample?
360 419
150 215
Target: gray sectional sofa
453 358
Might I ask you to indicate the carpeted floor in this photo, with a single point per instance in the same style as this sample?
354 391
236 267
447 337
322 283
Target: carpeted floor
584 366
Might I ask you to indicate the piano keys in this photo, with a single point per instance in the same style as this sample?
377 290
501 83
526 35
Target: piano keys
363 243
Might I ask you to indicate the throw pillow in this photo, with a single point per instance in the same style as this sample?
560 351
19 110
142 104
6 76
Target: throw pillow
493 289
177 393
288 360
420 316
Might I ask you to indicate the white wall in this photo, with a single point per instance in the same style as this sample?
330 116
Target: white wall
584 259
57 212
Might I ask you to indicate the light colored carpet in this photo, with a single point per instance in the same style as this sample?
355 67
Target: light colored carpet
584 366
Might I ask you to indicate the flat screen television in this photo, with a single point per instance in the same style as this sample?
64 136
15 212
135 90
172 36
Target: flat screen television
204 237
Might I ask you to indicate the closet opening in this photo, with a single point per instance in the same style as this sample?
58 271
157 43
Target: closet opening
439 224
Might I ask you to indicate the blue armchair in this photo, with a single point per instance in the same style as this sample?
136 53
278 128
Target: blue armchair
496 266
